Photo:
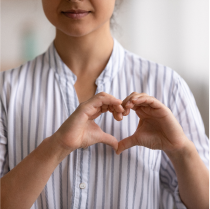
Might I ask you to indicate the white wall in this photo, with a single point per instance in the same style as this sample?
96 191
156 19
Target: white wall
16 17
174 33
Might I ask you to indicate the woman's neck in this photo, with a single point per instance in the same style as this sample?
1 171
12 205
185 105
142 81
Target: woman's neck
88 54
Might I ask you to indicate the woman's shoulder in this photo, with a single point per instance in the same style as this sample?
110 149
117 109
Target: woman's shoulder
21 77
148 68
15 75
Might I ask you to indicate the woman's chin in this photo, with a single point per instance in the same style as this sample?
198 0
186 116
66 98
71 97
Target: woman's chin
77 33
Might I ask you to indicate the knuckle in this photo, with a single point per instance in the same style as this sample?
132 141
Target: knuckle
134 93
102 94
123 145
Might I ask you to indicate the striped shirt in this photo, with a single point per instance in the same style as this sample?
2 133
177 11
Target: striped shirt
37 97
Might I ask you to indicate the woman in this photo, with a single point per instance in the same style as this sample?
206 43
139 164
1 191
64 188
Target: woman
60 111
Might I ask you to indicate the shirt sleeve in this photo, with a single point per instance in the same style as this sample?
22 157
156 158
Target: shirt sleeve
4 161
184 108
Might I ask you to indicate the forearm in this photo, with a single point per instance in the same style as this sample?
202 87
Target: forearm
193 177
23 184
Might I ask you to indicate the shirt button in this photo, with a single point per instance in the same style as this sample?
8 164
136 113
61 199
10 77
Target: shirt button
82 185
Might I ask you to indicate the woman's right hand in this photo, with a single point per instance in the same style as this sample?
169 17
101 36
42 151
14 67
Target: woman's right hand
80 130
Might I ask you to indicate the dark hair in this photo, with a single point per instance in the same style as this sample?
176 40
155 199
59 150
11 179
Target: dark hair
113 22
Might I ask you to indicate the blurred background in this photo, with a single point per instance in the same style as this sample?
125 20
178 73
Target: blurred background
174 33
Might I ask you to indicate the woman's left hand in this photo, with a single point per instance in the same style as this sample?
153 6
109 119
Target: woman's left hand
157 128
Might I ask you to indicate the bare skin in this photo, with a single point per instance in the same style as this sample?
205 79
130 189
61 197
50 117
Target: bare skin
28 178
89 40
85 46
159 129
93 58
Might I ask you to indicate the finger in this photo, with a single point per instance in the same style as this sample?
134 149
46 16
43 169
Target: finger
126 112
117 116
129 105
136 107
128 98
91 106
128 101
126 143
109 140
104 99
118 108
111 108
95 115
104 108
147 101
150 106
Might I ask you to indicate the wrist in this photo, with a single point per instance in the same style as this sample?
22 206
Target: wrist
186 151
56 148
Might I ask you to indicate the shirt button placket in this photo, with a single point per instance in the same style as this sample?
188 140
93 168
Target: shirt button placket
82 186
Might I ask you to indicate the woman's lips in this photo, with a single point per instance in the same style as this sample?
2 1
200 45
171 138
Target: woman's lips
76 14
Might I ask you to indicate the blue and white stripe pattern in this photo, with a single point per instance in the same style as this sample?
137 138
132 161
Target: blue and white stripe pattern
36 98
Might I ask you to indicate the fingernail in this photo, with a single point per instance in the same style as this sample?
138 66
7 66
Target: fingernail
127 111
117 152
135 98
128 103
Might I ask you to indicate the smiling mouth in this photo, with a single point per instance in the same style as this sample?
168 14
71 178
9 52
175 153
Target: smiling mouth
76 14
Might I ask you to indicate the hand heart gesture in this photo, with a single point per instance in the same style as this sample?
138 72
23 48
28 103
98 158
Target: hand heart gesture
157 128
80 129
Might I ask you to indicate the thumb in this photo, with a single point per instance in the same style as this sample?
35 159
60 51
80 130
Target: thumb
109 140
126 143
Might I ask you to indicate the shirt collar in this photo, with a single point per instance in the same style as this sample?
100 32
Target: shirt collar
114 64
